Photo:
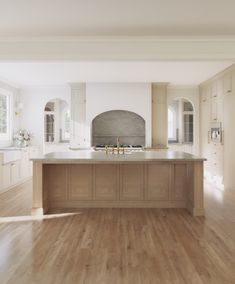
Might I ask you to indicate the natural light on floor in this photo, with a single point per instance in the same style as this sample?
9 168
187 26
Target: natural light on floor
14 219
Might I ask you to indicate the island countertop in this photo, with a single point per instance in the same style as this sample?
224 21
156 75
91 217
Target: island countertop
87 156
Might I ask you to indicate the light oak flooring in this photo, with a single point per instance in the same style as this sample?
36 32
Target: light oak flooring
117 245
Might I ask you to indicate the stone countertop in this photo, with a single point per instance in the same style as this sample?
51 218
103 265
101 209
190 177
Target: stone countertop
87 156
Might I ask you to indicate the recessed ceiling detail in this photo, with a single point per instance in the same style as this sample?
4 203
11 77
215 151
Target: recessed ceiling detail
112 17
61 73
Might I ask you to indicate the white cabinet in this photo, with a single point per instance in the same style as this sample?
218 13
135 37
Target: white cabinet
24 164
229 138
219 107
15 172
6 176
216 97
228 83
214 109
10 175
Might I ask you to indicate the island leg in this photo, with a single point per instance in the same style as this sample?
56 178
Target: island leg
198 190
37 203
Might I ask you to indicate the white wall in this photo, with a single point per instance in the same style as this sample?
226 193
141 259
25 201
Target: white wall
34 100
190 93
135 97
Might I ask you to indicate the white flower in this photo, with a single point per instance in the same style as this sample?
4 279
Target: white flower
22 136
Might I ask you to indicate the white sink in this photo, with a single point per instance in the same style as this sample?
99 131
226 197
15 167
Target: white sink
9 156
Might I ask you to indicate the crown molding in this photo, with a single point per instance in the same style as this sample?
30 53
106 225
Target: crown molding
182 87
117 48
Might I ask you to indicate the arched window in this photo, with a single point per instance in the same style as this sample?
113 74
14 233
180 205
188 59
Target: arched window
4 117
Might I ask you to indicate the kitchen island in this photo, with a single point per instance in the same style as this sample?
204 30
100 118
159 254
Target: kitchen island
148 179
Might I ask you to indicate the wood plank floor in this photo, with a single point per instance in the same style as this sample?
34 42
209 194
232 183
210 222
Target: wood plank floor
117 245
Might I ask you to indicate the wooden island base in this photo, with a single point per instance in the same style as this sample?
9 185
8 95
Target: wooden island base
165 184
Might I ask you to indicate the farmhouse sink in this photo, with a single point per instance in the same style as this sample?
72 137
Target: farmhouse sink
9 156
10 149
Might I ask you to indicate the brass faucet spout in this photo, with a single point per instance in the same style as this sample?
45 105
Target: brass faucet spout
118 145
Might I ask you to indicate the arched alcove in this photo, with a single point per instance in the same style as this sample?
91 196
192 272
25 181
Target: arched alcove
128 126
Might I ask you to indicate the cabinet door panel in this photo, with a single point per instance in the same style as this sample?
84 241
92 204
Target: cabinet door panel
55 181
15 173
214 111
24 164
157 182
6 175
80 182
132 182
105 182
227 81
179 182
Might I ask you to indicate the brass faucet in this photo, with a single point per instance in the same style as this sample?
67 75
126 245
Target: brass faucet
112 149
118 145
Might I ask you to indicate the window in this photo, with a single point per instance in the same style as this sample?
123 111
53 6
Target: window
56 122
4 117
180 121
188 128
170 124
66 126
188 122
49 127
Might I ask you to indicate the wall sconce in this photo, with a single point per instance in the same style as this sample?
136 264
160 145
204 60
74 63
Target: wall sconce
19 108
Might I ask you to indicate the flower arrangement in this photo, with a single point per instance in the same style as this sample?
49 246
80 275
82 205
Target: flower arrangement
22 138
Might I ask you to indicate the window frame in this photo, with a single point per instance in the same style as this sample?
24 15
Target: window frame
5 138
172 139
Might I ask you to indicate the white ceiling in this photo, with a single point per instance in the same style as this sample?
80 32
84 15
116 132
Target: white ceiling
116 17
61 73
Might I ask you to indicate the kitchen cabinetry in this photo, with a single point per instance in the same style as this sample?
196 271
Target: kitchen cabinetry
132 182
152 181
228 83
16 171
205 123
229 138
6 176
217 105
80 182
216 97
24 164
157 182
105 182
10 174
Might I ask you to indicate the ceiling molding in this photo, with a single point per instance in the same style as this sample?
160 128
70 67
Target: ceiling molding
181 87
117 48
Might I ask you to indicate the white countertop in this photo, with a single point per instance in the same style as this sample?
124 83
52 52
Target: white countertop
88 156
